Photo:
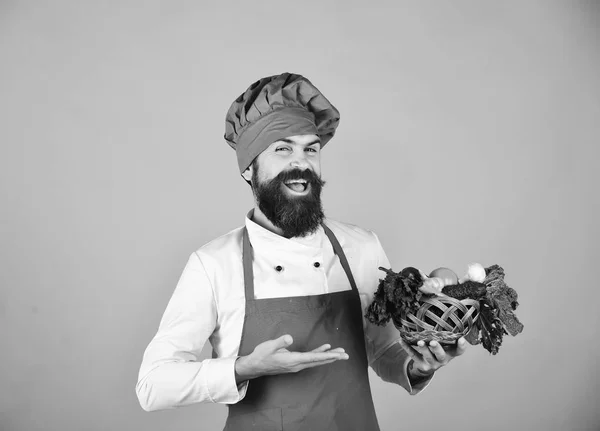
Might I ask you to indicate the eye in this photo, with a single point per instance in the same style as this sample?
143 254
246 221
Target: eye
312 149
281 149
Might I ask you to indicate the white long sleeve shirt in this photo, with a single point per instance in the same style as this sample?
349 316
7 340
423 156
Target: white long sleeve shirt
209 304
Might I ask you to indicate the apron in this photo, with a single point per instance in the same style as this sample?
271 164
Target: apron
331 397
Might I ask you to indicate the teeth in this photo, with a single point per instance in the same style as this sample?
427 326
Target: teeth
296 182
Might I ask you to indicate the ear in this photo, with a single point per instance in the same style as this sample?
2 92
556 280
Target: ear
247 174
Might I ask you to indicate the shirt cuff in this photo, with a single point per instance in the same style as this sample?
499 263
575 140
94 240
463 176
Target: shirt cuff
220 381
418 387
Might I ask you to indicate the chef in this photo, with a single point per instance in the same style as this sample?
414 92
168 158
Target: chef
281 299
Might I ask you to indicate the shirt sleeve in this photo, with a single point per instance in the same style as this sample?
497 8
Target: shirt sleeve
386 356
170 375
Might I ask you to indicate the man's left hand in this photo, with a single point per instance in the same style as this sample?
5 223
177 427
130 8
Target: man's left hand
426 359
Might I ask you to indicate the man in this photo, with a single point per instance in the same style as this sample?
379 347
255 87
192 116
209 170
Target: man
282 299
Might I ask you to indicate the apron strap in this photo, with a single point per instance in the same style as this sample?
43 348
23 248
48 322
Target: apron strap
249 272
337 249
247 262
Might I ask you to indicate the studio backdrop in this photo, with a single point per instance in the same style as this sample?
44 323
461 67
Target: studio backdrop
469 133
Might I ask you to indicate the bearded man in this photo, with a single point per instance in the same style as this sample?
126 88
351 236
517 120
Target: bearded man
281 299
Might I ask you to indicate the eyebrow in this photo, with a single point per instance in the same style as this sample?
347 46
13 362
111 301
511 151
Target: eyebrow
289 141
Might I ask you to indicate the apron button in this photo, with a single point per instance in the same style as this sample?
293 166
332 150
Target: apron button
317 264
279 268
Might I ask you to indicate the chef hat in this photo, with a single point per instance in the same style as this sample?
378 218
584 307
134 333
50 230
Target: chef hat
274 108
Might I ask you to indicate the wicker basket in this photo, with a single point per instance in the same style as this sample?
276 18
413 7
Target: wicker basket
442 318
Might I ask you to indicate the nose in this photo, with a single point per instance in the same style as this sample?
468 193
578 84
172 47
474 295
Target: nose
299 160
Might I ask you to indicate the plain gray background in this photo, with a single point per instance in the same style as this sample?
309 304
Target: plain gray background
469 132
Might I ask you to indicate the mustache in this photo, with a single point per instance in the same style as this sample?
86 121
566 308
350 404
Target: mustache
297 174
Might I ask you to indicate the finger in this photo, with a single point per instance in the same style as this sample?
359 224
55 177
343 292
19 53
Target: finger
424 351
322 348
281 342
326 347
310 357
437 351
456 349
423 275
461 346
317 364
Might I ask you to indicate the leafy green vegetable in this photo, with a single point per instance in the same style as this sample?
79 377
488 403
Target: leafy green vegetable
397 295
468 289
505 299
490 326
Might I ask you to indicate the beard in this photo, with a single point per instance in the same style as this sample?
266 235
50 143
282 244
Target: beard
296 216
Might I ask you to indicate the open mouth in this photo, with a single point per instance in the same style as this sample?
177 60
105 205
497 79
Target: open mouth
298 186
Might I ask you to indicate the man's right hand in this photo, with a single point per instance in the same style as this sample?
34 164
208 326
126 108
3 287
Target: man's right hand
273 357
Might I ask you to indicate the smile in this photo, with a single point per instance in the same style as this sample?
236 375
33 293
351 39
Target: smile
298 186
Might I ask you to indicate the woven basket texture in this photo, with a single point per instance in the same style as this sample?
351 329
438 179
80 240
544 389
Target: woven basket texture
442 318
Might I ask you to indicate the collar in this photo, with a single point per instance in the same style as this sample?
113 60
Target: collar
261 237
